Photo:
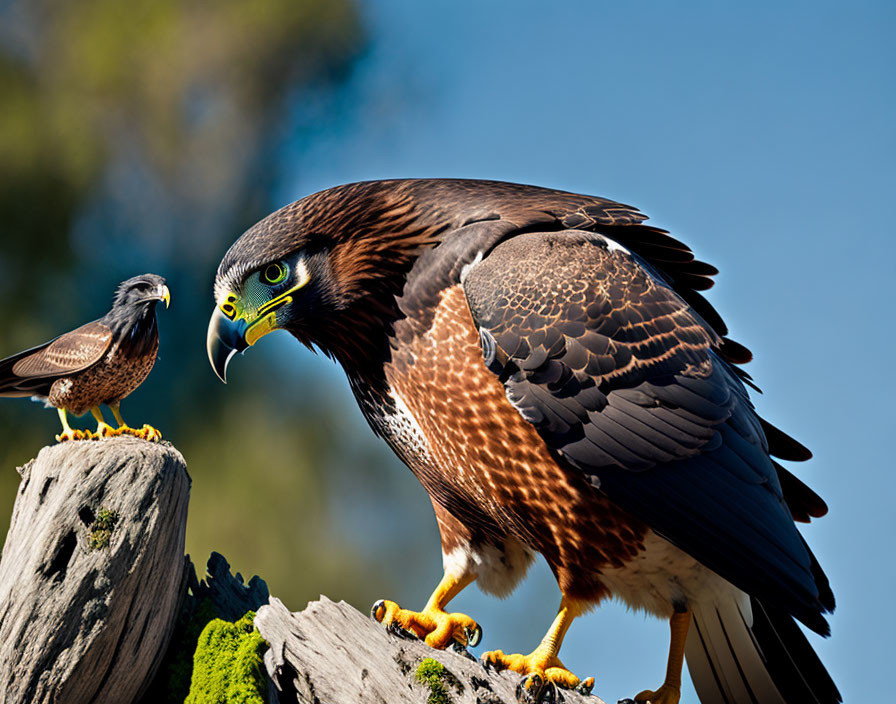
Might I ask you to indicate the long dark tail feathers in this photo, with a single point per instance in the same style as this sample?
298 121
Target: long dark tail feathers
12 385
743 652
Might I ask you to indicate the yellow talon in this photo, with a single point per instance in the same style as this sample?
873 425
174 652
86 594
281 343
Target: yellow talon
433 624
436 627
67 433
103 429
542 665
150 434
147 432
538 664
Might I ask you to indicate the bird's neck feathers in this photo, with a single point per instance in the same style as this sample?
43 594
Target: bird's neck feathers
378 241
358 334
134 326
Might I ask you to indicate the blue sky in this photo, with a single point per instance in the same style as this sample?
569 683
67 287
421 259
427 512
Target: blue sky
759 133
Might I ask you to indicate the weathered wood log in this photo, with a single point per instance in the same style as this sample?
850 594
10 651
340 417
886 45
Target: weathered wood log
332 653
92 571
231 597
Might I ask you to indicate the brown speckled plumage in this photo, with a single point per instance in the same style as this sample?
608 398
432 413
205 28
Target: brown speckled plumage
585 325
109 380
489 467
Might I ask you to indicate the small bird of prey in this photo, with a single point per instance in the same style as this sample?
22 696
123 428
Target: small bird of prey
100 362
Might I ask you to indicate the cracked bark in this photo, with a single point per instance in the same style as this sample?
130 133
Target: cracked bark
88 601
334 654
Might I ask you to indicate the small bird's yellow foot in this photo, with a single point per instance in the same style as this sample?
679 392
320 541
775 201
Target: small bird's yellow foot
667 694
539 670
437 627
104 430
68 435
147 432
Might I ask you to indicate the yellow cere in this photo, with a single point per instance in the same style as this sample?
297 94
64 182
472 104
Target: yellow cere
227 307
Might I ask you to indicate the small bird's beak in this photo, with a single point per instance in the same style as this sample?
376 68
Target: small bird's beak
226 337
165 295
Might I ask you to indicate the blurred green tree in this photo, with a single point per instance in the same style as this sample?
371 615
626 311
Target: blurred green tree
141 137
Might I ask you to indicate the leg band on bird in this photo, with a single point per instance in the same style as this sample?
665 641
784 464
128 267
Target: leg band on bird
437 627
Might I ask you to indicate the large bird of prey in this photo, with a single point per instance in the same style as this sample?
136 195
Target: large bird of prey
101 362
546 366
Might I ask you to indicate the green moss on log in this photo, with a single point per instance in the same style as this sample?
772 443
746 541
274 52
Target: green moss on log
227 664
435 676
172 683
102 527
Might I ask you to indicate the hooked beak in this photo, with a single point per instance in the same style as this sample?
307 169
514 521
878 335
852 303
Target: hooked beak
165 295
229 333
226 337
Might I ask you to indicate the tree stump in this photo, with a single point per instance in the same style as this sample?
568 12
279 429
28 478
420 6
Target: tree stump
92 571
332 653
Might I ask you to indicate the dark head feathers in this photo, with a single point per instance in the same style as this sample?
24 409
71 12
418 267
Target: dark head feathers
145 288
378 212
132 318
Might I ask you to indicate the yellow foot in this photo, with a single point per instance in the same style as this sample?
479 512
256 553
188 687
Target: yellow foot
104 430
435 626
538 669
147 432
67 435
667 694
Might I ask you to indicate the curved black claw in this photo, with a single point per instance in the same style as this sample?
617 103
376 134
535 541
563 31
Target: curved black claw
378 613
397 630
532 689
473 635
461 650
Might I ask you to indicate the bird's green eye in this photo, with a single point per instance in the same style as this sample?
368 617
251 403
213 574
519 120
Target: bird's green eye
274 273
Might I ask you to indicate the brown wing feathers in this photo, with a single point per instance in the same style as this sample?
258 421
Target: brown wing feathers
675 262
578 326
633 387
492 211
33 371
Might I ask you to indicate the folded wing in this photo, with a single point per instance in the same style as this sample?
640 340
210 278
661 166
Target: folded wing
33 371
625 381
